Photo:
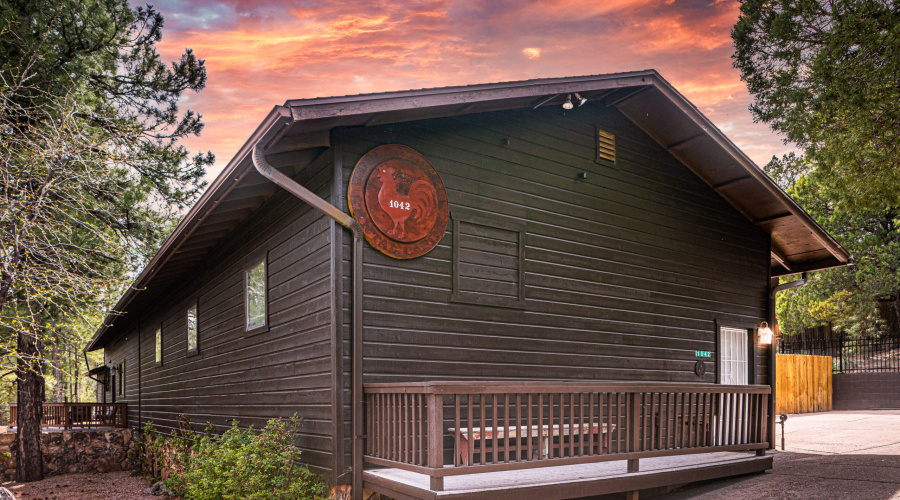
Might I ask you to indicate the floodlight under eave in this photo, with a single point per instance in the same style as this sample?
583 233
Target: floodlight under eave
581 100
568 104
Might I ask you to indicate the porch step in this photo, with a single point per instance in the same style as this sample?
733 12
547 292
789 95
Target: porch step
569 481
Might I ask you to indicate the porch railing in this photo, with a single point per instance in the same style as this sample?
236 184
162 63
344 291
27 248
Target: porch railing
71 415
452 428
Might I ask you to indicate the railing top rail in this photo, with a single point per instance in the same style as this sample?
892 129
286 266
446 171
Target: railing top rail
118 405
526 387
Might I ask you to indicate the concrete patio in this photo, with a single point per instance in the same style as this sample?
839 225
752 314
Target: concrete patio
835 455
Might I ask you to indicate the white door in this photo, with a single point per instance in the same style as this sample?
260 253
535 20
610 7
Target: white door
734 369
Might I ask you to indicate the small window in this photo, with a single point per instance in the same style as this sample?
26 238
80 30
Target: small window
255 297
122 378
192 330
159 347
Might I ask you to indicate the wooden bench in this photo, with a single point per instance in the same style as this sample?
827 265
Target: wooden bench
547 434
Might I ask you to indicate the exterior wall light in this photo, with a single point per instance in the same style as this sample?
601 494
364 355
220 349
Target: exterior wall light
581 100
568 103
765 333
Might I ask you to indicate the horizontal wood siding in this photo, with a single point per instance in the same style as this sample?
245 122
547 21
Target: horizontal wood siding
626 271
254 378
125 348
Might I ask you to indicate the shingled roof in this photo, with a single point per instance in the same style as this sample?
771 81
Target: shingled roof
297 132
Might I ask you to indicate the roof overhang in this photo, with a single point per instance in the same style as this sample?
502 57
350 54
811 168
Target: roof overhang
296 133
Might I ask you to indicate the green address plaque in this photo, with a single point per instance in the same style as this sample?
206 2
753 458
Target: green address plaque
704 354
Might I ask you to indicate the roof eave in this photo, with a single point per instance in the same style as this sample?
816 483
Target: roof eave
233 172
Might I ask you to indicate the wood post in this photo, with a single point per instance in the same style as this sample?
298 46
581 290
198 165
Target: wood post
436 438
634 465
634 423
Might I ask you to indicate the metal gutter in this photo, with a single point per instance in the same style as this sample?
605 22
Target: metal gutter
773 357
336 214
788 286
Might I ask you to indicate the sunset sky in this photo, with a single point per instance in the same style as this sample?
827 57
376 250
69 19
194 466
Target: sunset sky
260 53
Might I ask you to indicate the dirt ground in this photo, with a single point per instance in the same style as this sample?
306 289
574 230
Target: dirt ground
834 455
109 486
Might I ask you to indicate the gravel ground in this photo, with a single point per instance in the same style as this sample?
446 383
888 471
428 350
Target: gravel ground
109 486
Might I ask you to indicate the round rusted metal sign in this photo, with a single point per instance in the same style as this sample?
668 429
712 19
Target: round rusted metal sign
399 200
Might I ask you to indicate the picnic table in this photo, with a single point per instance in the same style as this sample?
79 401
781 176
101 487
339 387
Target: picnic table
547 434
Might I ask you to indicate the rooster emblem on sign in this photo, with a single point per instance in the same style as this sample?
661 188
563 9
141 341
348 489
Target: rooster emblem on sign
417 204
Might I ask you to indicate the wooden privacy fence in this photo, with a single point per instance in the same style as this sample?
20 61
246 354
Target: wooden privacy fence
452 428
803 383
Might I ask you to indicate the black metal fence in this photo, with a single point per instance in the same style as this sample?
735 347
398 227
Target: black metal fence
867 354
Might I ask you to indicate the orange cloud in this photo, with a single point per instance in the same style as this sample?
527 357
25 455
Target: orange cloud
263 52
532 53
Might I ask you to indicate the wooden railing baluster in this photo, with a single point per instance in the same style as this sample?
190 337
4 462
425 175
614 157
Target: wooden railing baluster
495 425
457 427
506 427
571 425
519 427
549 424
483 426
405 426
471 425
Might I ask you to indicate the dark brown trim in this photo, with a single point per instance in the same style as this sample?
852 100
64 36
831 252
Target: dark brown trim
537 387
627 96
140 372
337 315
727 183
586 487
467 215
751 343
816 265
773 217
251 263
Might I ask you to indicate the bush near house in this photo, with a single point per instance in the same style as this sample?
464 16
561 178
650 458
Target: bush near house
239 464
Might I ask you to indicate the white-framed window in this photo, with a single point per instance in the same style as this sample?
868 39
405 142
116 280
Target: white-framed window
158 344
255 297
192 320
122 378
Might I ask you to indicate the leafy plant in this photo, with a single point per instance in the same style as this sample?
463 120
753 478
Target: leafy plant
239 464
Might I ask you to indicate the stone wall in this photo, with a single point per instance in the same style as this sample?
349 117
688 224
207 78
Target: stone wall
72 451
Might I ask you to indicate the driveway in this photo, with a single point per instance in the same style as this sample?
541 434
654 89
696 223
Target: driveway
835 455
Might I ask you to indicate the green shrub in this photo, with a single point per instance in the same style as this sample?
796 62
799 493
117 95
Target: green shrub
239 464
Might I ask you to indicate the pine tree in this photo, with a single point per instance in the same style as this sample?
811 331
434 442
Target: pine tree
826 74
90 170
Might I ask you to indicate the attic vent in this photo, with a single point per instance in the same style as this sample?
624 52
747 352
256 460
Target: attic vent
606 146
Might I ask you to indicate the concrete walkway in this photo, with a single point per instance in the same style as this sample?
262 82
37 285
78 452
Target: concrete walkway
834 455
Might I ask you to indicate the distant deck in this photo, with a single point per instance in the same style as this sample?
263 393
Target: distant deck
568 481
64 416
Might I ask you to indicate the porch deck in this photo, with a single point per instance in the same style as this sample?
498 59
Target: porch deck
567 481
528 439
